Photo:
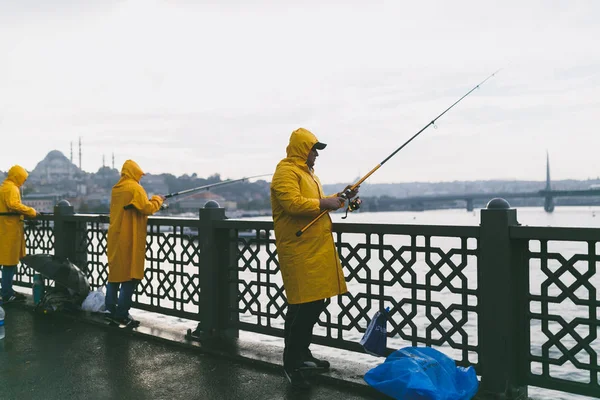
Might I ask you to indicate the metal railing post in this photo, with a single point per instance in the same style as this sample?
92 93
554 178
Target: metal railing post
500 304
215 283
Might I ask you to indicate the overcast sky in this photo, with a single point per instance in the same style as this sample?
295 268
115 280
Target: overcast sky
218 86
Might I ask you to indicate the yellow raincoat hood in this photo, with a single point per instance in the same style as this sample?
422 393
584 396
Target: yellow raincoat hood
309 264
301 142
131 170
126 244
12 236
17 175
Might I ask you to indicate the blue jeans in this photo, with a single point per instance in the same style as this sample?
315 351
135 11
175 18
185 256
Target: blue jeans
120 307
8 272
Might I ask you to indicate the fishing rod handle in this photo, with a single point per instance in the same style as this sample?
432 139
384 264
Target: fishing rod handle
163 206
301 231
344 195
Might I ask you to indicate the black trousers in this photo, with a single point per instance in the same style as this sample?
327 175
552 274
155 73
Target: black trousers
299 323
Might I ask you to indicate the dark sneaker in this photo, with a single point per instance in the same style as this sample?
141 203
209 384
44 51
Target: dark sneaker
130 322
14 298
297 379
110 317
312 362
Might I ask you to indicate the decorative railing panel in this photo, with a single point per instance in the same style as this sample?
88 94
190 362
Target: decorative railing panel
426 275
563 308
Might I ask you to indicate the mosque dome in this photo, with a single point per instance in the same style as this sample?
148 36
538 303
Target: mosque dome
54 167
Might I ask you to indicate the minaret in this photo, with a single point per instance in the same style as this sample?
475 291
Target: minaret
103 161
71 162
113 160
548 187
548 201
79 152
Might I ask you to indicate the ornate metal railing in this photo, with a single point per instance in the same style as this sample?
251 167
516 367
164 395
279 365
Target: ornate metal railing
562 307
495 296
420 272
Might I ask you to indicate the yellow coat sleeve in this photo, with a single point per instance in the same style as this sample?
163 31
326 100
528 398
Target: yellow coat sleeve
14 205
142 204
286 189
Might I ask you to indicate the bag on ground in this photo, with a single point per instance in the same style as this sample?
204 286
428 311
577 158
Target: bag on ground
374 340
94 301
58 299
423 373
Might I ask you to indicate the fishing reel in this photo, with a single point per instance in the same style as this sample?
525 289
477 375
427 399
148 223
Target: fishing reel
353 205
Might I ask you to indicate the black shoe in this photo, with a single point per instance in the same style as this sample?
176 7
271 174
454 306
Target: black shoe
14 298
128 322
296 378
110 317
312 362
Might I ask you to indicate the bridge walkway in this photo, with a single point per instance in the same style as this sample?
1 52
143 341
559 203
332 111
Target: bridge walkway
63 357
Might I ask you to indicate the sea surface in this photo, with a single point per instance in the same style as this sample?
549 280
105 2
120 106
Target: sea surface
561 217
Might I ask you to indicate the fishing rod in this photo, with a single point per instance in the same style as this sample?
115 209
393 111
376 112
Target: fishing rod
205 187
14 214
29 221
354 205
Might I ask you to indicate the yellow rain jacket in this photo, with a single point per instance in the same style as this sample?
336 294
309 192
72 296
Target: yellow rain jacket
127 229
12 235
310 266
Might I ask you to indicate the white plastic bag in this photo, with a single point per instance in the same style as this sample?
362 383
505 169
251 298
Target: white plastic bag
94 302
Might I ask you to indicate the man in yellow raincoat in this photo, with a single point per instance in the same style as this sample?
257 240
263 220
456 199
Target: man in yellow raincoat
310 265
126 245
12 235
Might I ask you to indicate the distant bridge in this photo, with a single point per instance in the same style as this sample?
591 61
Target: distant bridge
469 198
547 193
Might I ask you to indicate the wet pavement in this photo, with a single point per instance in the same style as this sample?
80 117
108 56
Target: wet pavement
56 357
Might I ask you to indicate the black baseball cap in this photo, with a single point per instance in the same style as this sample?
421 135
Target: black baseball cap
319 146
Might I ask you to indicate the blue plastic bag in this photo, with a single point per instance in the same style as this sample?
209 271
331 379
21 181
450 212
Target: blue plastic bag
374 340
423 373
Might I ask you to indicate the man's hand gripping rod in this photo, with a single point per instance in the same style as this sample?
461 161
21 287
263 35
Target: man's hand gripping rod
357 184
344 195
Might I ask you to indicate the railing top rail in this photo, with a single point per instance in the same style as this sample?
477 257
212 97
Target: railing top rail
243 224
45 217
400 229
344 227
105 218
173 221
81 217
555 233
